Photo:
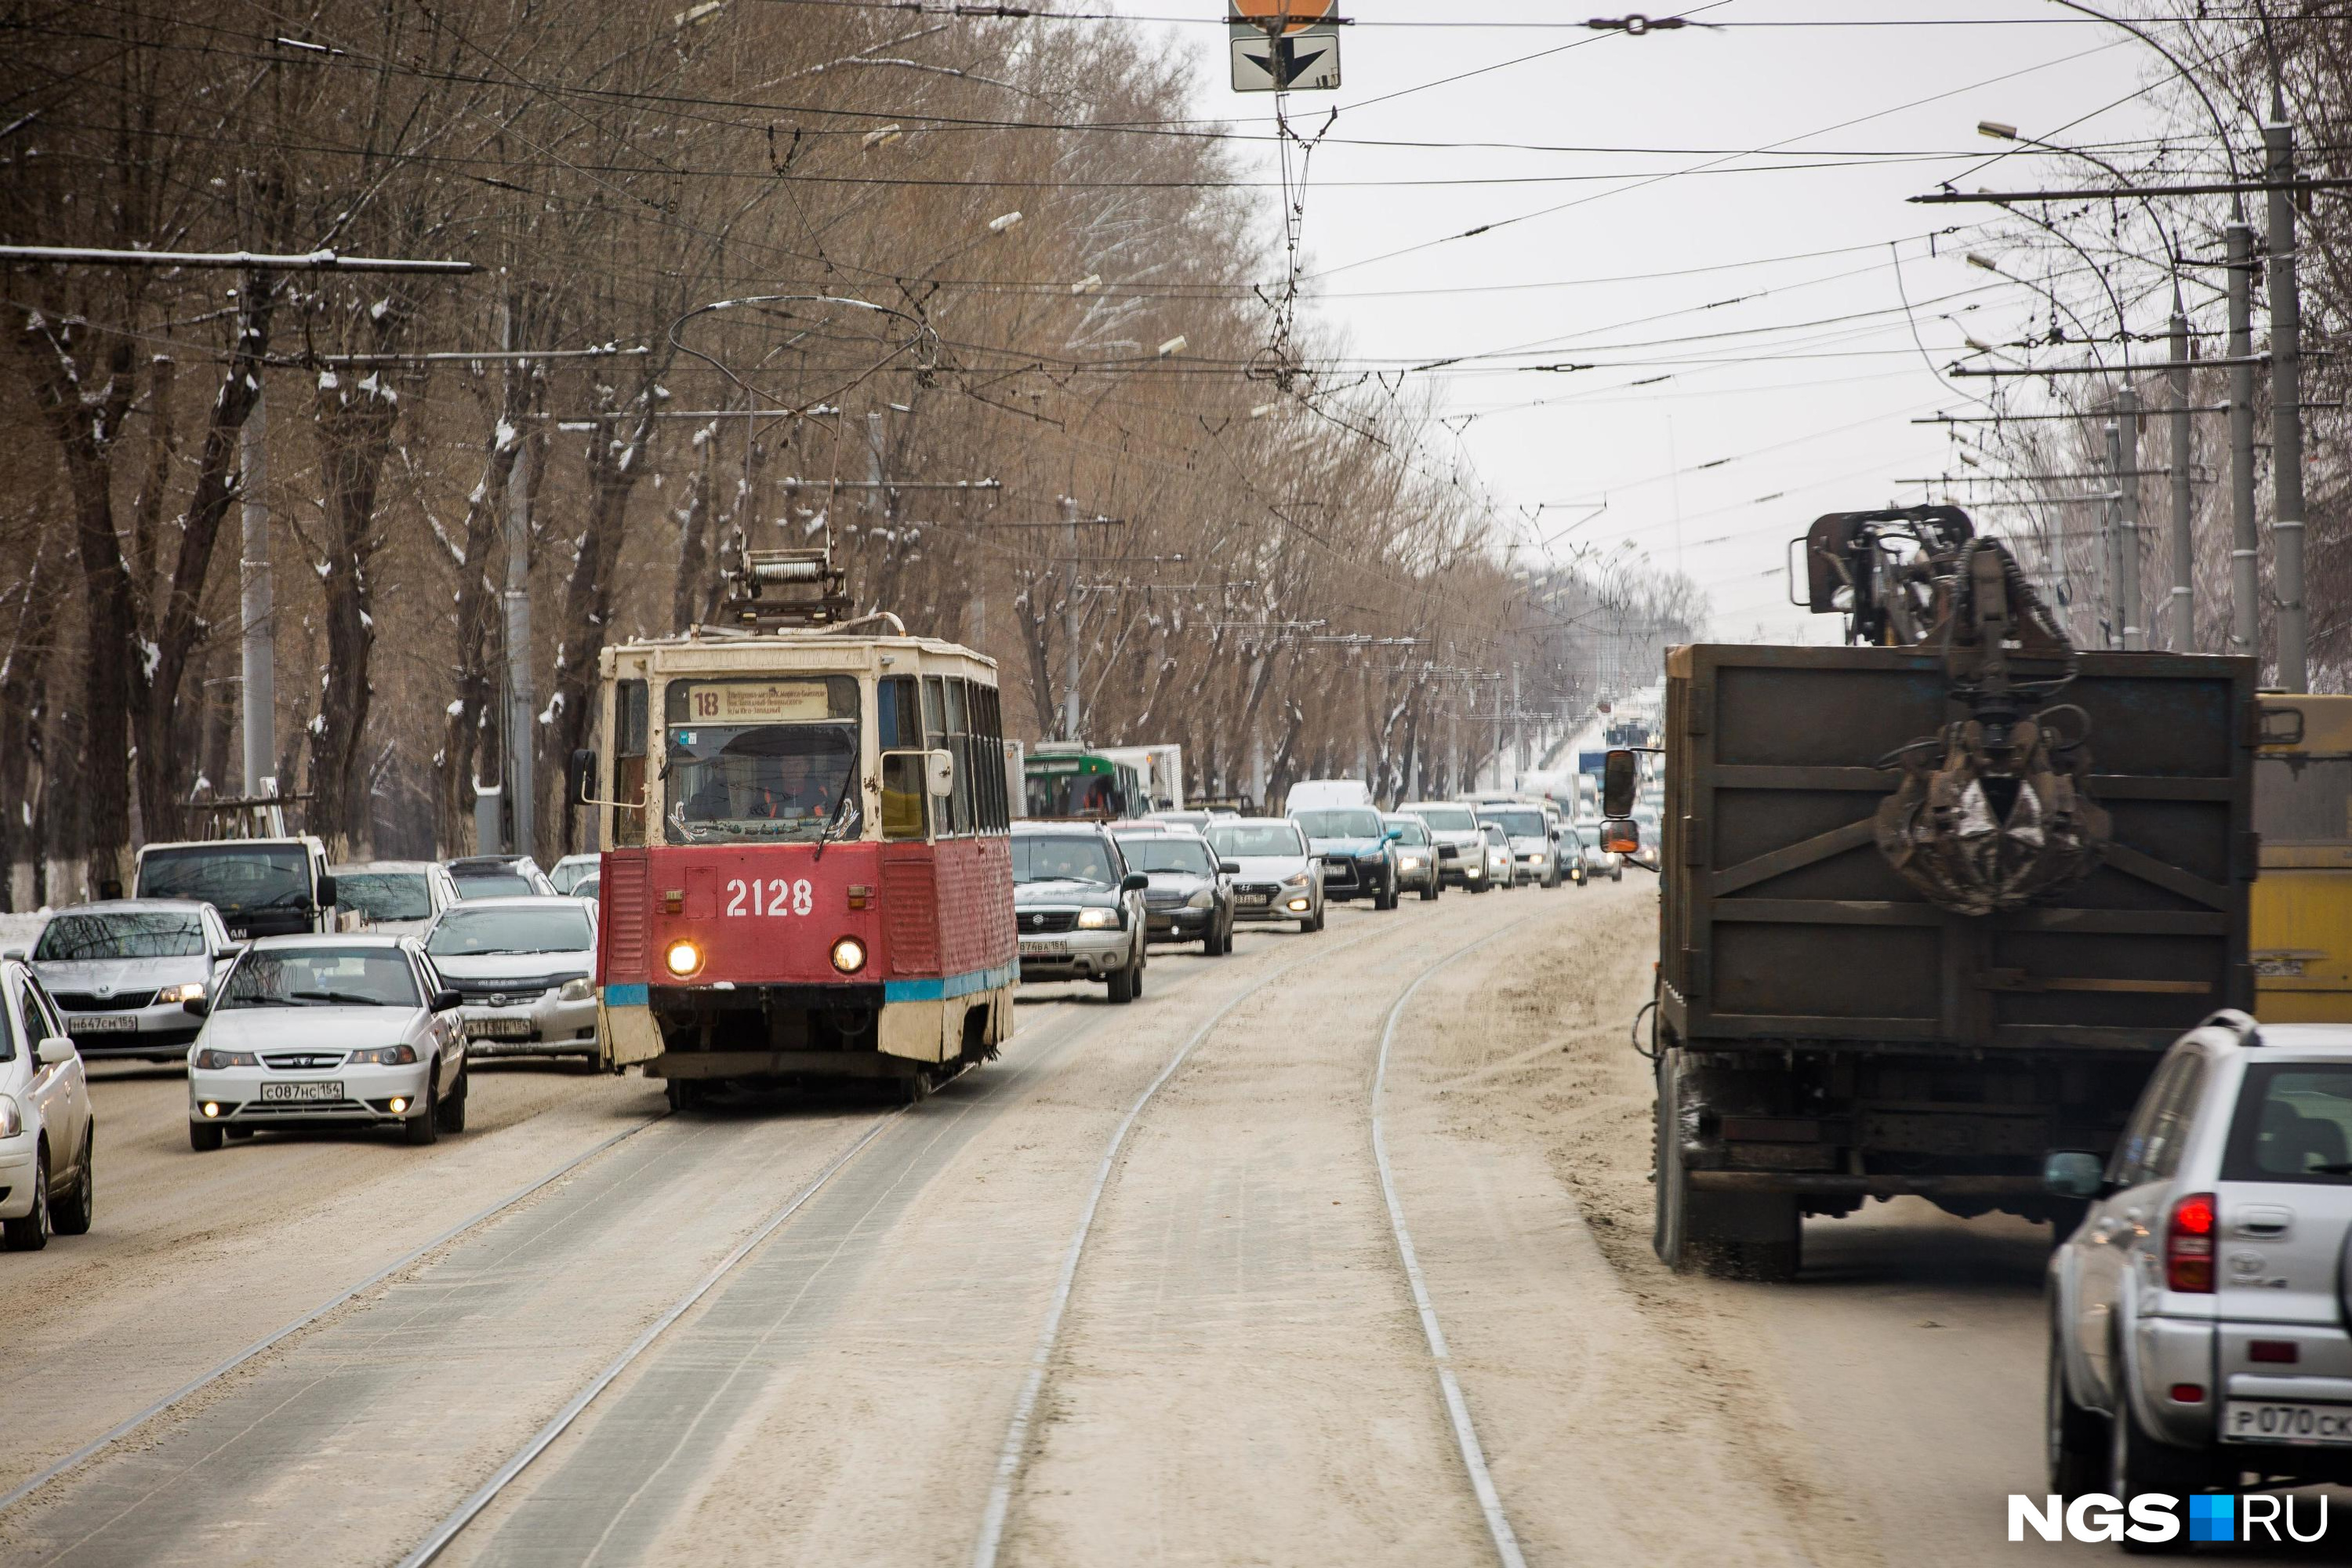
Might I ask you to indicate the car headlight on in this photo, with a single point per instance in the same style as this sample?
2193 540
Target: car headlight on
1206 899
213 1060
849 956
578 990
12 1120
193 991
682 957
1411 862
382 1057
1097 919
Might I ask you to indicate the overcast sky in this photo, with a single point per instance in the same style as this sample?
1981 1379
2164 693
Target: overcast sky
1813 415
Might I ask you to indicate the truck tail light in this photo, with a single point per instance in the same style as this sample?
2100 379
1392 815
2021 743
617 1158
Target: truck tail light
2189 1245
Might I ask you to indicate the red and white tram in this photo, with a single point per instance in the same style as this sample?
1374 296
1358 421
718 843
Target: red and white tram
807 872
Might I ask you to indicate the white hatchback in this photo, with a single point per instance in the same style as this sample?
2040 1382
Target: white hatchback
48 1134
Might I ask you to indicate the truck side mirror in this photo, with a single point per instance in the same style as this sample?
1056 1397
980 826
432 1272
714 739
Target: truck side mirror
1621 837
940 769
326 891
583 776
1620 780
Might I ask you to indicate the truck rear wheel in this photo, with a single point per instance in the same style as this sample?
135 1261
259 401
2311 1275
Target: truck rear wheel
1734 1236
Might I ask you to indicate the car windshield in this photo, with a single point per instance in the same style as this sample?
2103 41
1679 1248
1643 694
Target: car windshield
752 761
1447 819
568 874
235 878
1409 831
1061 857
321 977
152 934
1494 834
465 934
384 895
1517 824
1278 839
1167 852
2293 1124
1356 823
493 884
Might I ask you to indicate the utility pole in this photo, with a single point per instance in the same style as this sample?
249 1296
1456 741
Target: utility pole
2184 588
2128 606
1071 616
520 750
2111 562
2245 574
255 605
2287 400
1518 730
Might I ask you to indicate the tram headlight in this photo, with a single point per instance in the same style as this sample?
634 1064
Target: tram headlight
849 956
682 957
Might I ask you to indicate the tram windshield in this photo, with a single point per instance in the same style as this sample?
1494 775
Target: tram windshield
763 760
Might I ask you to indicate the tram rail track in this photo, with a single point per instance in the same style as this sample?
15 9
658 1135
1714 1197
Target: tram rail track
453 1526
130 1424
996 1515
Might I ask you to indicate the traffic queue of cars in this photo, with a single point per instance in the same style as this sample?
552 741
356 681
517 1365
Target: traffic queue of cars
305 995
1091 897
298 996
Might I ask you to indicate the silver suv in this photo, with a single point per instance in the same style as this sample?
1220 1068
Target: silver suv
2197 1313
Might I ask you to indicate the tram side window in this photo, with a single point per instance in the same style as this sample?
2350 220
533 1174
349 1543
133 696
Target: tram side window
934 736
990 763
959 747
905 790
629 715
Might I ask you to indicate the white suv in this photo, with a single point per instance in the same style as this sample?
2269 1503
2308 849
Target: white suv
2197 1313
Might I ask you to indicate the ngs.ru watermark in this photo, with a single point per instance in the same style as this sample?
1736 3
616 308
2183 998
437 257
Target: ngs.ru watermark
2155 1517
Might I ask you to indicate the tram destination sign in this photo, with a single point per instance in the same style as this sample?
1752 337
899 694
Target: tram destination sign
758 702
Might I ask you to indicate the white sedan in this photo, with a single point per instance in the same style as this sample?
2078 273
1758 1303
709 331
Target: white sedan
47 1131
342 1031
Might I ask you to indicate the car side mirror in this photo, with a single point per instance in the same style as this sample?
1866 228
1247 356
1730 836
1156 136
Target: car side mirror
447 1001
326 891
198 1007
1134 882
1229 867
16 952
2074 1174
54 1051
1394 835
233 951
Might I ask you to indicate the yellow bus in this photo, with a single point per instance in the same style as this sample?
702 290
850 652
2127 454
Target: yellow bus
2302 933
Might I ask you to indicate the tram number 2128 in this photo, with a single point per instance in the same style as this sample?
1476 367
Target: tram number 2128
775 897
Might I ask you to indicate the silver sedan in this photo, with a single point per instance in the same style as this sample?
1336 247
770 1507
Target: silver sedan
526 968
119 971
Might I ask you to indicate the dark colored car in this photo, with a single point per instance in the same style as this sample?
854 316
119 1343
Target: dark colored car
499 876
1189 895
1359 851
1078 909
